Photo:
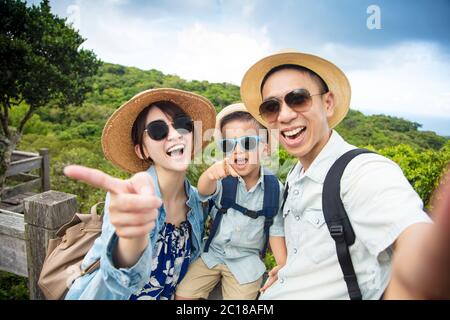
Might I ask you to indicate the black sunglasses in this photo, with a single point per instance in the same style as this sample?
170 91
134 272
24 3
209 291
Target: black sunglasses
159 130
299 99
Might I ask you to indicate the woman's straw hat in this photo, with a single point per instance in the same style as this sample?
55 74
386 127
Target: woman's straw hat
116 138
335 79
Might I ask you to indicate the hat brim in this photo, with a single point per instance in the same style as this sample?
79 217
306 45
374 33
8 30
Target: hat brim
335 79
235 108
117 143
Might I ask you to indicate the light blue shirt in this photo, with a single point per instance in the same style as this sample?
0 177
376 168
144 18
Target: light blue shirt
380 204
240 239
109 282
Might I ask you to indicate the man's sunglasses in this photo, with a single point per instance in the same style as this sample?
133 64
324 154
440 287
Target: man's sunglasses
159 130
248 143
299 100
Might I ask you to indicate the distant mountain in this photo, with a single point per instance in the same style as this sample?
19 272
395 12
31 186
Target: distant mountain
115 84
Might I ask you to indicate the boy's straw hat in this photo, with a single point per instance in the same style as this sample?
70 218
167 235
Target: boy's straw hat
229 110
116 138
335 79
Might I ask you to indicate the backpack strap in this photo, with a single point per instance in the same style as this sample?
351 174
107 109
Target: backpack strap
338 222
228 200
270 206
229 190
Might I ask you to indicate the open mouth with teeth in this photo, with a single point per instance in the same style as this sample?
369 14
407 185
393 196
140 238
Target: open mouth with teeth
176 151
294 136
240 162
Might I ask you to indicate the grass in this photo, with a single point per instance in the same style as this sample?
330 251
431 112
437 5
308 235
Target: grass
13 287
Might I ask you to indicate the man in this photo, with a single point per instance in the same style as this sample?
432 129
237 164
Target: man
305 97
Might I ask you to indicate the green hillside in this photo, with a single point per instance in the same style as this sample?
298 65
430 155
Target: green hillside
115 84
73 133
73 136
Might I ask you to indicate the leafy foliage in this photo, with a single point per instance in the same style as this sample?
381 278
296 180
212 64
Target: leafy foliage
42 63
73 134
13 287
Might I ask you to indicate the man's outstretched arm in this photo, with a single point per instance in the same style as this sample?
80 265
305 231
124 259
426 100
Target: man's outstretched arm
421 265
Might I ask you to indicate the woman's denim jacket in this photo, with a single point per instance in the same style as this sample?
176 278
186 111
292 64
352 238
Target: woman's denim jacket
108 282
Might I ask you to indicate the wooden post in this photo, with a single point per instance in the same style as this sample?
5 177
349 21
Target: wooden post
45 169
45 213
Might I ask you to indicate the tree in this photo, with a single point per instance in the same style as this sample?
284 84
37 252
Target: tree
41 63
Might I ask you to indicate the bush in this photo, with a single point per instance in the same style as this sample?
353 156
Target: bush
13 287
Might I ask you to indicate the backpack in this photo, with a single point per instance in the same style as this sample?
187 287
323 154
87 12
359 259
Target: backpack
65 253
337 220
228 200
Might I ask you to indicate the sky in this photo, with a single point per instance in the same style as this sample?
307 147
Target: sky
394 52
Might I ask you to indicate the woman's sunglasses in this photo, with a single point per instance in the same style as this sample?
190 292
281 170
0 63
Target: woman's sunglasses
299 100
248 143
159 130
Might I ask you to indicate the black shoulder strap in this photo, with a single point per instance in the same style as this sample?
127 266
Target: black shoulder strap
338 222
270 206
229 190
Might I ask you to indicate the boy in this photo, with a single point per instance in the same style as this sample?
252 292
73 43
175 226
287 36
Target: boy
237 242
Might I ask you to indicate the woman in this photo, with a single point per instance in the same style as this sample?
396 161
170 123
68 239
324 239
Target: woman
153 222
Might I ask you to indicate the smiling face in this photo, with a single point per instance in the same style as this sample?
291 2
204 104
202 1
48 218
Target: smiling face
244 162
173 152
302 134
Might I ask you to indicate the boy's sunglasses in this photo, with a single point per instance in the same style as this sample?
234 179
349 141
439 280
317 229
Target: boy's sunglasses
299 100
159 130
248 143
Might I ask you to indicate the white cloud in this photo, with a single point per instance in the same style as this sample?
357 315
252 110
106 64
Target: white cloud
219 53
204 53
248 8
410 77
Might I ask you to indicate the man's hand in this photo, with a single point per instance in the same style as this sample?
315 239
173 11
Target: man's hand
273 276
421 265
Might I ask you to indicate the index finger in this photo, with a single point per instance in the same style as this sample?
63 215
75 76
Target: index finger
229 169
96 178
225 166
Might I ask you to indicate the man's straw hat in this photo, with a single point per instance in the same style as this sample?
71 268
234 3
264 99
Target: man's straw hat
335 79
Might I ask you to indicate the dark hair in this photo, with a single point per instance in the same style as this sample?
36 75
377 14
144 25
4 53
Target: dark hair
240 116
316 78
169 108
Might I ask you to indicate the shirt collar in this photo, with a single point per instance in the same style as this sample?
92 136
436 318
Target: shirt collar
260 180
324 160
191 200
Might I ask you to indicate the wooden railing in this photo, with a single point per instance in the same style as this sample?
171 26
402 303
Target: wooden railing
24 237
19 171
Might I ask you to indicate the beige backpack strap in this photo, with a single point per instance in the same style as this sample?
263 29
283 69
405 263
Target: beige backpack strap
94 266
94 211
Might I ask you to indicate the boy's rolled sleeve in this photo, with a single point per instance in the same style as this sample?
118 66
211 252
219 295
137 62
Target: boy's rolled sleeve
204 198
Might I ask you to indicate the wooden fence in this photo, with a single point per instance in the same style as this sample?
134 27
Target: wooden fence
24 237
20 172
